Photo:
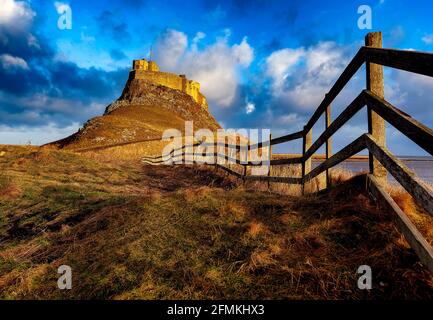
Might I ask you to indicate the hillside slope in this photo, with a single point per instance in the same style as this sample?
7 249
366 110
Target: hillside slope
131 231
142 113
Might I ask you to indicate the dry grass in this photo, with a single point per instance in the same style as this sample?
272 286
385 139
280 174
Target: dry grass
127 152
422 220
337 175
138 232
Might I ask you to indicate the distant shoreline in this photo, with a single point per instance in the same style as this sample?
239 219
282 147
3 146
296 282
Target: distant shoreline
354 158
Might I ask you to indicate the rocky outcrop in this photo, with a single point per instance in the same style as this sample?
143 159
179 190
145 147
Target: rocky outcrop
144 93
143 112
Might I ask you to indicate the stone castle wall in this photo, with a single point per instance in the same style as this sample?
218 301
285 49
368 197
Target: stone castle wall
145 70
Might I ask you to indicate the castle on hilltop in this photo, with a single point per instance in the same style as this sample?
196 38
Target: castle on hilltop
149 70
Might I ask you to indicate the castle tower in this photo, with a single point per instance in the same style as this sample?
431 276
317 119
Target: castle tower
140 65
149 71
145 65
152 66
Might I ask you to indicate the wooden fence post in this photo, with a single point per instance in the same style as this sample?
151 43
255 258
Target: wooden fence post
215 154
306 163
226 153
328 144
247 159
270 158
376 124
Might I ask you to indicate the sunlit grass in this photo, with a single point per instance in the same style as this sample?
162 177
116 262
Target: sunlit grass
152 232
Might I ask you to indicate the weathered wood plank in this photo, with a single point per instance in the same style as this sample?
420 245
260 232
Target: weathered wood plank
414 130
421 193
270 158
287 138
275 141
345 153
212 155
344 78
230 171
412 61
415 239
376 124
328 144
288 180
294 160
225 145
306 162
354 185
345 116
279 140
275 162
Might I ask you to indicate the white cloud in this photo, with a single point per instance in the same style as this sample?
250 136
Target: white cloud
32 41
198 36
250 107
9 62
41 101
216 66
243 53
170 47
301 77
15 15
412 93
351 132
394 94
428 39
216 69
281 63
290 119
35 135
41 109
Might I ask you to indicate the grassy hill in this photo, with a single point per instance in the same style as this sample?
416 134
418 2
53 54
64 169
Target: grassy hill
131 231
142 113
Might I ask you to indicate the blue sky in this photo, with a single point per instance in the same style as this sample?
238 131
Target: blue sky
261 64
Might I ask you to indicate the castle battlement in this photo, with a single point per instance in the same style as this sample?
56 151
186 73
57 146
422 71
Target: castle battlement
149 70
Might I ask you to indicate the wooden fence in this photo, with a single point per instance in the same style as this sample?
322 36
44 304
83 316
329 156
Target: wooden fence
381 160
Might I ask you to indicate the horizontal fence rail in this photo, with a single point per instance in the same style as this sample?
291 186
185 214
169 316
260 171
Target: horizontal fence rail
382 161
407 60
